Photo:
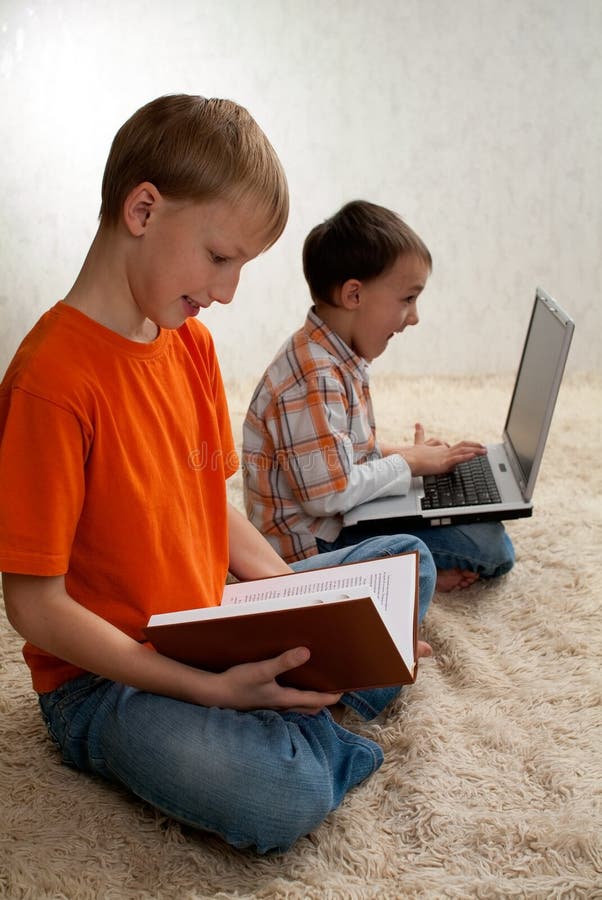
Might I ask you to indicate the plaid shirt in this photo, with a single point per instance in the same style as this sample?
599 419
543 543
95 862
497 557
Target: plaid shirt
309 443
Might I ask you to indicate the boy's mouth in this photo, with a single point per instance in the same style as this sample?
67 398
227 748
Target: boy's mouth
193 306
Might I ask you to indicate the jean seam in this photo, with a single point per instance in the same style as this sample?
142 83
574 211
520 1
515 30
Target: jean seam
360 705
365 743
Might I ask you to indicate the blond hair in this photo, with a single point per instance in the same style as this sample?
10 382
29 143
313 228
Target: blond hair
198 149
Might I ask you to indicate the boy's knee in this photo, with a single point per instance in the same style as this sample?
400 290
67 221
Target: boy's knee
508 557
497 549
287 793
273 809
297 813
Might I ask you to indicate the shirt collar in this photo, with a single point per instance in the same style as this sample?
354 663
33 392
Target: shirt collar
318 331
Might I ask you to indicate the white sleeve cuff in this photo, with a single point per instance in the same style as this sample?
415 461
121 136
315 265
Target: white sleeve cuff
389 476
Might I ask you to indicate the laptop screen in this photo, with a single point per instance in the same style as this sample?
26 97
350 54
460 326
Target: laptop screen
536 388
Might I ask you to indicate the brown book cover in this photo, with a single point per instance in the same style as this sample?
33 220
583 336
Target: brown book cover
350 644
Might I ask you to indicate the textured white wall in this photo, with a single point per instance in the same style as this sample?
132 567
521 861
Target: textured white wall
479 121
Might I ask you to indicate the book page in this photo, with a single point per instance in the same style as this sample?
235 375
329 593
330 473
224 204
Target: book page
267 604
303 584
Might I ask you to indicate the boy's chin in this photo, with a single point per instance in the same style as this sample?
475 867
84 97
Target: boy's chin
370 353
378 351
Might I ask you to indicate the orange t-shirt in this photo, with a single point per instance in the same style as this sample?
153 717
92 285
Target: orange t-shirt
113 460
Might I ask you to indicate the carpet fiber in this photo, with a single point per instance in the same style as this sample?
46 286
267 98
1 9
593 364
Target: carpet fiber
491 785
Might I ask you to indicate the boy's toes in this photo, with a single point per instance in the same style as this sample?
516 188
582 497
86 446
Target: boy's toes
454 579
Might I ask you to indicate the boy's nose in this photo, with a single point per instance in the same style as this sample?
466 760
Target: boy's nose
223 298
224 290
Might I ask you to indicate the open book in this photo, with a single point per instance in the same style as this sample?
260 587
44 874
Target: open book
359 620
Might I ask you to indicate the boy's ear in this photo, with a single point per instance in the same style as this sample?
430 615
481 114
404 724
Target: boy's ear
139 205
350 294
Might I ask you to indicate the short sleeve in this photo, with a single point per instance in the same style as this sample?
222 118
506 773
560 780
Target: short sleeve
196 334
42 458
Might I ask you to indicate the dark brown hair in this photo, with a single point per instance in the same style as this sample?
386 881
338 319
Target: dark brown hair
362 240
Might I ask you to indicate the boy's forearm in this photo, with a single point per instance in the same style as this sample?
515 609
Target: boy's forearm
251 556
44 614
382 477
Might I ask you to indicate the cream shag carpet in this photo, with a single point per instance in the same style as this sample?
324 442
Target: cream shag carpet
491 786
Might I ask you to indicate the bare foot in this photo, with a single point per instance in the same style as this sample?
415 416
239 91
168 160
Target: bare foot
454 579
424 649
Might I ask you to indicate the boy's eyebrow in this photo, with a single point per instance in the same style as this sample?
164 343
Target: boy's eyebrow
238 251
247 255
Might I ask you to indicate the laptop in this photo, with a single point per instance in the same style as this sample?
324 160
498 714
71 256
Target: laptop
506 490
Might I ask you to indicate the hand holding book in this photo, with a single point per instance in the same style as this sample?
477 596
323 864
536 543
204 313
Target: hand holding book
256 685
358 621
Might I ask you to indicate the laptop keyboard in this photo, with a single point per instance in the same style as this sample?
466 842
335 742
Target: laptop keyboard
469 484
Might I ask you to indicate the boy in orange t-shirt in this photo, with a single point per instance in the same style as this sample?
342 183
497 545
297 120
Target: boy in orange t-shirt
106 517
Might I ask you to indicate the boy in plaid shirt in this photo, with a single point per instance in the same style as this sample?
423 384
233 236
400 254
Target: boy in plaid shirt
310 451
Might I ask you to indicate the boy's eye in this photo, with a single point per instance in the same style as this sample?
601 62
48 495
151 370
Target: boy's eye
217 259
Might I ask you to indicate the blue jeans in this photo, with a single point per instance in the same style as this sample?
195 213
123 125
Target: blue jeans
482 547
258 779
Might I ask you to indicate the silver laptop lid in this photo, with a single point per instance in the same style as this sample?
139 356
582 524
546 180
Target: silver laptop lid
536 388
